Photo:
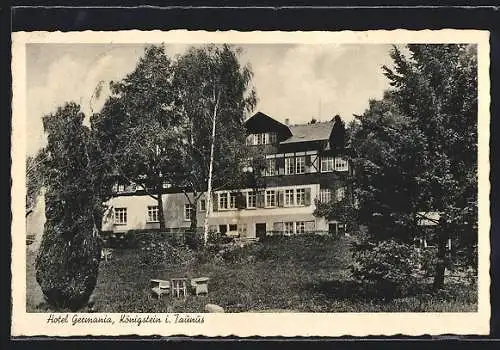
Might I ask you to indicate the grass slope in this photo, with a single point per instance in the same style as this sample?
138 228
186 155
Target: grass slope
296 274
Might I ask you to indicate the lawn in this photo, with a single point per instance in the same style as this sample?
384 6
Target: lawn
295 274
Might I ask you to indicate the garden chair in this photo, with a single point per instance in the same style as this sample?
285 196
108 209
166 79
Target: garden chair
159 287
106 254
200 285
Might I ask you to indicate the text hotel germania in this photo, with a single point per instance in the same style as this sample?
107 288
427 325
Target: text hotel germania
77 319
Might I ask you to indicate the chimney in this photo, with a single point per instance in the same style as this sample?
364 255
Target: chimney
287 122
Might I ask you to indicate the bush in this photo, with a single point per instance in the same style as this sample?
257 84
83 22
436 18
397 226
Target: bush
162 252
67 268
390 267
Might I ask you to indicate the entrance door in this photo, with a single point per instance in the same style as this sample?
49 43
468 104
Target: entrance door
223 229
260 230
332 229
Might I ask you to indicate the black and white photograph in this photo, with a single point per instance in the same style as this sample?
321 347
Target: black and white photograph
179 183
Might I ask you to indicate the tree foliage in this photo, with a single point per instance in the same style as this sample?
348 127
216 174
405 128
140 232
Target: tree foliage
214 96
138 129
74 180
178 121
417 147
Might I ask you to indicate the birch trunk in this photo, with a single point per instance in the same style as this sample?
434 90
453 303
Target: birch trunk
210 171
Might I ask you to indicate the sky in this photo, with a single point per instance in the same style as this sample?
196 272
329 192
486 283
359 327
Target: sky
292 81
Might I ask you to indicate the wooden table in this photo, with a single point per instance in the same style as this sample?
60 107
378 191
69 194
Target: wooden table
200 285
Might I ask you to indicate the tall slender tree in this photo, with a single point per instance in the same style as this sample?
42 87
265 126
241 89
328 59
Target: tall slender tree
214 95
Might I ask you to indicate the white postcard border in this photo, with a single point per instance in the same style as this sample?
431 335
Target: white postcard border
251 324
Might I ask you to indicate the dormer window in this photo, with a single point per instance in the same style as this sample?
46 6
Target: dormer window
262 139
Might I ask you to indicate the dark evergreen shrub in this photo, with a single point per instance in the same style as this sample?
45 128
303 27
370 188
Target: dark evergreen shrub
66 269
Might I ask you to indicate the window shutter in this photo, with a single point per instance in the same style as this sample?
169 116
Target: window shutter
241 202
260 199
281 198
308 164
215 202
280 165
278 227
308 197
310 226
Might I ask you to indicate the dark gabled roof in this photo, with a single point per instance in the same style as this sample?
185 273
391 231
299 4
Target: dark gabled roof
261 122
310 132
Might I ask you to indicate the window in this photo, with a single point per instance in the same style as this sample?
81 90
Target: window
326 164
340 193
325 195
288 197
153 213
121 188
233 227
250 140
270 167
270 198
288 228
242 229
121 216
223 201
273 137
261 139
289 166
203 205
188 212
340 164
251 199
300 165
300 196
300 227
232 200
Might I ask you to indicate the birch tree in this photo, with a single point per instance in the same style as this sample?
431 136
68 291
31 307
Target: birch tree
214 97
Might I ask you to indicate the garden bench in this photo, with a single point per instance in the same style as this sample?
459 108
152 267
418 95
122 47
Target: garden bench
159 287
200 285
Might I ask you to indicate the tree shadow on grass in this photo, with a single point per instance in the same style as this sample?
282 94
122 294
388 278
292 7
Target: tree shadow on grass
353 290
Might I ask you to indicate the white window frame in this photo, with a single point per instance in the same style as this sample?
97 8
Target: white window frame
273 137
120 216
300 227
188 212
325 195
153 213
223 195
232 200
289 165
271 166
289 201
288 228
327 164
302 192
203 204
300 161
270 194
251 203
341 164
340 194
